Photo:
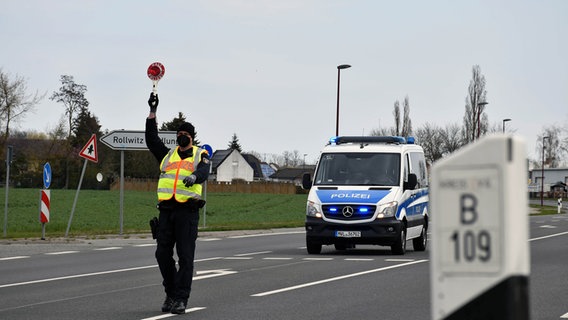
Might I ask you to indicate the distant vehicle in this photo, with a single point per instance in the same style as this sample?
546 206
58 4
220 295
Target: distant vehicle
368 190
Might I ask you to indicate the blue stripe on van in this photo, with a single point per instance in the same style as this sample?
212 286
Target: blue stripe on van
351 196
413 206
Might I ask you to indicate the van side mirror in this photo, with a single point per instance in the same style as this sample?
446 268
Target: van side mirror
411 183
306 181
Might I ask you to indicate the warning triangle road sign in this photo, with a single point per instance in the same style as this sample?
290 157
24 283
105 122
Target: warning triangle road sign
89 151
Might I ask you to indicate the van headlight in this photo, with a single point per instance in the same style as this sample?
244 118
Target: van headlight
387 210
313 210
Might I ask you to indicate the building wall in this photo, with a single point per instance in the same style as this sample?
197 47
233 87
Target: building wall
551 176
234 167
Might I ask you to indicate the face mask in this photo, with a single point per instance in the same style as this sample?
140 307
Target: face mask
183 141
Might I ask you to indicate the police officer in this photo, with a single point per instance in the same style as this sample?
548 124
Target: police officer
182 170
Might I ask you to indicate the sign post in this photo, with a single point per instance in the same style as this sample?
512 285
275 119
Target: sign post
44 198
89 152
9 154
480 251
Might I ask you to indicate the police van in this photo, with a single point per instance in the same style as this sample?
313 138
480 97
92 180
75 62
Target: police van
368 190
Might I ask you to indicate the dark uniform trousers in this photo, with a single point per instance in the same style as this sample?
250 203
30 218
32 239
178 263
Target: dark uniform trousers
178 227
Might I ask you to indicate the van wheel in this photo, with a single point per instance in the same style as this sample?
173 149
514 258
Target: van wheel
419 243
399 247
313 248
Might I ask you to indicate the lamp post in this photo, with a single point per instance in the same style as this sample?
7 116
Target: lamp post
505 120
542 173
479 104
343 66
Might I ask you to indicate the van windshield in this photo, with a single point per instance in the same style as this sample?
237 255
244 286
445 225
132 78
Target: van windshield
362 169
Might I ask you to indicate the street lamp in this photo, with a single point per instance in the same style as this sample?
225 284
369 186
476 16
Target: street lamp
484 103
343 66
542 173
505 120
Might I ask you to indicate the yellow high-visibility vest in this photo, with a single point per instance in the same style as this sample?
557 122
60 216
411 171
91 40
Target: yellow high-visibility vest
173 170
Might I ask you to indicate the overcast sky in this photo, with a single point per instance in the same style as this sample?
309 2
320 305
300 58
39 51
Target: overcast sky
266 70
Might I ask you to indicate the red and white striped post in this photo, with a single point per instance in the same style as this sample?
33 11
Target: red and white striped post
45 196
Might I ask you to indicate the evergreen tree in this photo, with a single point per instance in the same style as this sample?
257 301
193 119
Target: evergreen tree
234 144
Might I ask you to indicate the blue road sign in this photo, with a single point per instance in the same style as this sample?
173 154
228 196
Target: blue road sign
46 175
209 149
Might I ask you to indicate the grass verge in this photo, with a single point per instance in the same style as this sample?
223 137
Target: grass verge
97 212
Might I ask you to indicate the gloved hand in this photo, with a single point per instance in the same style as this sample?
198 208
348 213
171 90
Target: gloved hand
189 181
153 102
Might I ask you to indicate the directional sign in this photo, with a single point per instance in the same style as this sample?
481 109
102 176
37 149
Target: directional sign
480 253
135 140
46 175
89 151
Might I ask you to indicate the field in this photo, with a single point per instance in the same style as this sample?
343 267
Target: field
97 212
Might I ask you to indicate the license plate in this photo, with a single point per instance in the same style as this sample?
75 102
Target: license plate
348 234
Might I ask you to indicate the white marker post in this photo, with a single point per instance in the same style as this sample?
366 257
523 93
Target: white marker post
480 250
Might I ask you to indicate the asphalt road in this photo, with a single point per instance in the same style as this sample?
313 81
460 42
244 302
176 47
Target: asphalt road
247 275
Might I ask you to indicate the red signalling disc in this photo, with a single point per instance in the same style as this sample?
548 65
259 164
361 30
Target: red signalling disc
156 71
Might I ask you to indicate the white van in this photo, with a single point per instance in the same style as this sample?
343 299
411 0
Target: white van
368 190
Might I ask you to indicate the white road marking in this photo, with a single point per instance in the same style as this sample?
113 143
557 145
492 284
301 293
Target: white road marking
209 239
358 259
265 234
209 259
163 316
277 258
14 258
205 274
318 259
564 316
252 253
267 293
399 260
547 226
145 245
75 276
61 252
238 258
108 248
549 236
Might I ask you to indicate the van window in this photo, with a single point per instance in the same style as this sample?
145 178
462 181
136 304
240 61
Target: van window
418 167
376 169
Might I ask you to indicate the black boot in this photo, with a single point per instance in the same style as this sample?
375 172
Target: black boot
178 307
168 303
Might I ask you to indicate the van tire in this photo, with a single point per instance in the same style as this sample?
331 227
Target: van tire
313 248
399 247
420 243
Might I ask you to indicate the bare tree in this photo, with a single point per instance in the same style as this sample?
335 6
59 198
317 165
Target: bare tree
451 138
402 126
72 96
382 132
554 147
431 138
406 122
396 114
475 120
15 102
